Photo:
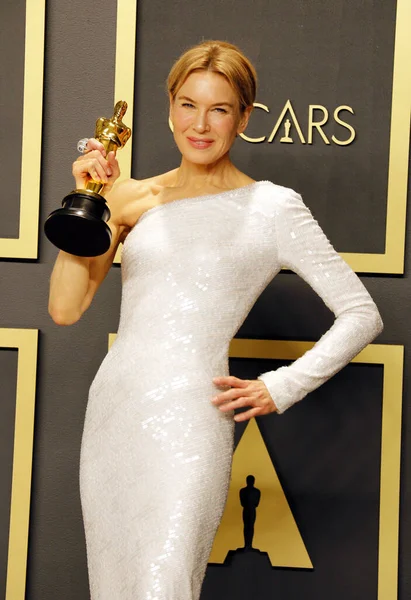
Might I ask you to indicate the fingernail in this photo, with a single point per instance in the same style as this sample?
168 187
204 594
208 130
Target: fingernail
109 172
214 399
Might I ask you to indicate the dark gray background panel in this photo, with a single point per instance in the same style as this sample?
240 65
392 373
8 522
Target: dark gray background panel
12 18
8 379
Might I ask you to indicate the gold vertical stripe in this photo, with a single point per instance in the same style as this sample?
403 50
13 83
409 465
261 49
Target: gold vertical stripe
124 78
390 476
25 246
25 340
124 75
392 261
399 140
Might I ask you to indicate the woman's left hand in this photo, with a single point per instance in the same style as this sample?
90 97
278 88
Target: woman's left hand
244 392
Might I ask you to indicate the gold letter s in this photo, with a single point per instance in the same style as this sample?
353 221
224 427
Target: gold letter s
344 124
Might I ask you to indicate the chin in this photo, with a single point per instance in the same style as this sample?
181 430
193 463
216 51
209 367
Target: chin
201 160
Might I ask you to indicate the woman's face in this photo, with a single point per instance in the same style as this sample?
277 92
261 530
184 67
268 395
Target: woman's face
206 117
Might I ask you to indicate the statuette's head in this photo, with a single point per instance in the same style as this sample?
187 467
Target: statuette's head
211 88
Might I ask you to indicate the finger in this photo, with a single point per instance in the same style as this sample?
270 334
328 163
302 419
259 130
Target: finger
248 414
228 396
113 164
94 144
96 171
230 380
239 403
111 157
101 163
92 154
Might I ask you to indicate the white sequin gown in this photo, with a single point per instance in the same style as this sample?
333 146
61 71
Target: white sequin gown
156 454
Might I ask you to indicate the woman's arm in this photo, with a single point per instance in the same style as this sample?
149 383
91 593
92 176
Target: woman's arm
75 280
303 248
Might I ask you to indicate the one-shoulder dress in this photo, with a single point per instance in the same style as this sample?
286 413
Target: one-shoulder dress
156 453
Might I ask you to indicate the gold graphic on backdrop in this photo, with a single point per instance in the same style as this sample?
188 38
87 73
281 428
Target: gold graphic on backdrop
286 139
25 245
312 124
126 43
25 341
259 139
318 125
275 530
288 109
344 124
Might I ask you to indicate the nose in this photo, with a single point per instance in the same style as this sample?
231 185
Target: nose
200 124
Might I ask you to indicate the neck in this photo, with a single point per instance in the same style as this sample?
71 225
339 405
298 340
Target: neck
197 176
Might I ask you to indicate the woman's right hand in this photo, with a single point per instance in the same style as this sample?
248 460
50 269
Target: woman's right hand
95 165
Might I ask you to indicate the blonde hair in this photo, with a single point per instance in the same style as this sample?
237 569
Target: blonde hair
218 57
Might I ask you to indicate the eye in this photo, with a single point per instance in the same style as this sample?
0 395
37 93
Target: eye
187 105
220 109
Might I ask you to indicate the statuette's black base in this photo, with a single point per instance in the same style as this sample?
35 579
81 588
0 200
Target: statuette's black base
80 227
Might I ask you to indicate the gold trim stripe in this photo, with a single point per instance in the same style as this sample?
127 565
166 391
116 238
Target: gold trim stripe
390 475
124 78
124 73
392 261
25 246
399 140
25 340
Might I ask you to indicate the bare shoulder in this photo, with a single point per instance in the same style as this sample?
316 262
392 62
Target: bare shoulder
129 198
132 188
122 190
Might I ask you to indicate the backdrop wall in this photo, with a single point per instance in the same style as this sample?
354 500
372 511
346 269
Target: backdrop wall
337 72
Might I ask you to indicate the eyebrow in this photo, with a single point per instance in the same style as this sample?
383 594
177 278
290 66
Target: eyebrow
215 104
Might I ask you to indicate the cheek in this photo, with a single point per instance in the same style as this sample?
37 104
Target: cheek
181 119
226 126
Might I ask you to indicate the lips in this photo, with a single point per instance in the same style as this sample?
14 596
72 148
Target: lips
200 143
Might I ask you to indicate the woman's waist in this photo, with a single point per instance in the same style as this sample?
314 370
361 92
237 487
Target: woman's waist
164 354
187 340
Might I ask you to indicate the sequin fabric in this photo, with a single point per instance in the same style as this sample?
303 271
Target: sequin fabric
156 454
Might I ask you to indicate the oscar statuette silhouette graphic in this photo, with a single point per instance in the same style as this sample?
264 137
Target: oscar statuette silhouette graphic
287 139
80 227
250 499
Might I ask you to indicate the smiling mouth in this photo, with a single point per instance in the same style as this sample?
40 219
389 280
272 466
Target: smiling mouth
200 144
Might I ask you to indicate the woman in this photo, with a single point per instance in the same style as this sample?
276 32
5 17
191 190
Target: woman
201 243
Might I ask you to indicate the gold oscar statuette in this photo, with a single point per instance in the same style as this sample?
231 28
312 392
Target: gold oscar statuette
80 227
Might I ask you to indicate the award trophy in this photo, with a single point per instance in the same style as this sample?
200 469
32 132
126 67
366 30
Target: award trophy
80 227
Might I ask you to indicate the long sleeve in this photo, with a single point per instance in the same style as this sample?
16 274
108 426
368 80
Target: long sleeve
303 248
